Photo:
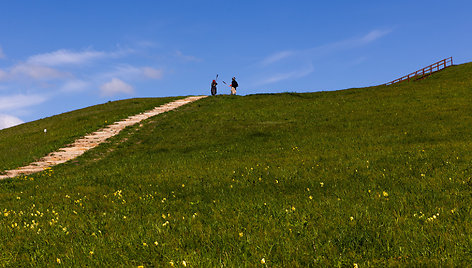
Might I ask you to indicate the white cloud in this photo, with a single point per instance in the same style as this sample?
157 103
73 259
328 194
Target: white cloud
325 49
37 72
352 42
3 75
287 75
277 57
7 121
122 71
279 63
20 101
63 57
129 72
373 35
150 72
2 55
114 87
75 86
186 57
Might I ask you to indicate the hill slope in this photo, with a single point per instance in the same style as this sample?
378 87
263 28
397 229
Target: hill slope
21 145
374 176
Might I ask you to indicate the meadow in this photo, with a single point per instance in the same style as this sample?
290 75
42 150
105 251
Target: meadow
376 176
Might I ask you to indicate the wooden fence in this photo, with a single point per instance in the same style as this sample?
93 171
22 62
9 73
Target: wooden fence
425 71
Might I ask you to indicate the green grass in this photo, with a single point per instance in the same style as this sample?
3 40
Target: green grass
376 176
23 144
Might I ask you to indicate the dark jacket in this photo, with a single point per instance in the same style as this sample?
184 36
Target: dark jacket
234 84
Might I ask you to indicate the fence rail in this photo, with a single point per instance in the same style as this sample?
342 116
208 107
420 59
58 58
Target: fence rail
425 71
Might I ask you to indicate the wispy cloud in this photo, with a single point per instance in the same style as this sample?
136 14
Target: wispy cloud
285 64
2 55
44 66
181 55
346 44
59 65
115 87
38 72
7 121
3 75
325 49
65 73
152 73
66 57
75 85
373 35
129 72
286 75
277 57
8 103
123 71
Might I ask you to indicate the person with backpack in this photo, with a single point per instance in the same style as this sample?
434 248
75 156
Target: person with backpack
234 85
213 87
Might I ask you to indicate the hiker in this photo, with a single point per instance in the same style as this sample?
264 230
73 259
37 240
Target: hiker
213 87
234 85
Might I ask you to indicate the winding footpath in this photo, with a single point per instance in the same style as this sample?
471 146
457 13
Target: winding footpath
90 141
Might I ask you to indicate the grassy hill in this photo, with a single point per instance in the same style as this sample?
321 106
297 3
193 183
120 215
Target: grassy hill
374 176
25 143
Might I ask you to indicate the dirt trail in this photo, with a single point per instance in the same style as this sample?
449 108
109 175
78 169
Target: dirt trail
80 146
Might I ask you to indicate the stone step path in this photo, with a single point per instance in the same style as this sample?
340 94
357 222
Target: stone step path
80 146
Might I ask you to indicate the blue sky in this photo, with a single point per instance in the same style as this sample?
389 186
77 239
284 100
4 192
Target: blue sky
58 56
